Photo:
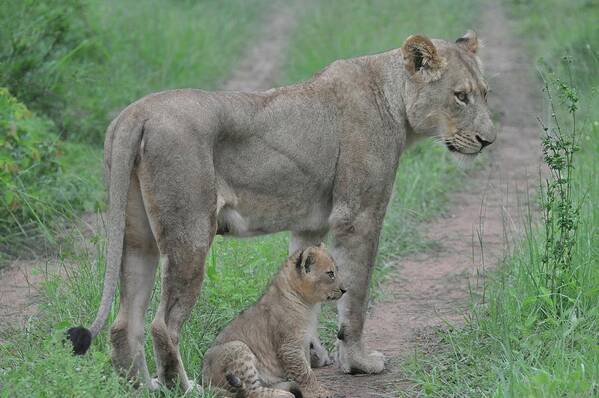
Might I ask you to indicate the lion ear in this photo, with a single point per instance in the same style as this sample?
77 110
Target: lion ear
304 262
469 41
420 55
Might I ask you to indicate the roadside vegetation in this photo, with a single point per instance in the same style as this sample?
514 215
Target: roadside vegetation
536 333
33 362
75 64
80 62
39 180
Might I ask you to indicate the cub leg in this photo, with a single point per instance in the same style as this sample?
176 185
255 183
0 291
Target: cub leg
140 260
297 368
317 354
354 247
233 367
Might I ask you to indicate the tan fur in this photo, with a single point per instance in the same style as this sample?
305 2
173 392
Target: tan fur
265 345
317 158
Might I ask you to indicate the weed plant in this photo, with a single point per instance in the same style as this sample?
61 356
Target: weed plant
36 190
557 284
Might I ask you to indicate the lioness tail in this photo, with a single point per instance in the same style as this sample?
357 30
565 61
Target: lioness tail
126 134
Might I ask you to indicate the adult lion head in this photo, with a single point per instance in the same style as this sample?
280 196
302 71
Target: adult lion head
446 93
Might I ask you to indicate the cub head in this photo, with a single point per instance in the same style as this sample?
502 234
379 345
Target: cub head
446 93
316 275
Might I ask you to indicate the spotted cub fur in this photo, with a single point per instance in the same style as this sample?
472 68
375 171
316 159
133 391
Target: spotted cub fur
262 354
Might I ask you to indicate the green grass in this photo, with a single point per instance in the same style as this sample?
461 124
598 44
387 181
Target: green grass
535 338
76 64
43 180
238 270
336 29
80 62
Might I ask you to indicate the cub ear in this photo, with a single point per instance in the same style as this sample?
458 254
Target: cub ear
469 41
420 55
304 261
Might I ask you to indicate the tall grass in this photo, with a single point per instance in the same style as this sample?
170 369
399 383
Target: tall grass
537 334
80 62
36 189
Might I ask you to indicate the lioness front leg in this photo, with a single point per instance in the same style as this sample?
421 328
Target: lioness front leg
317 354
297 368
354 247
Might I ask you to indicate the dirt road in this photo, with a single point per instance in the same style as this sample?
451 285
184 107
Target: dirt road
432 288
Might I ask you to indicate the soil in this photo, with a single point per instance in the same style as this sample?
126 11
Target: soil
433 287
260 67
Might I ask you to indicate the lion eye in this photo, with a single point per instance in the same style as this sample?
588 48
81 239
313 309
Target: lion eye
462 96
331 274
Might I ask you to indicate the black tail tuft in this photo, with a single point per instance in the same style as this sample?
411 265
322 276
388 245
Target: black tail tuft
81 338
233 380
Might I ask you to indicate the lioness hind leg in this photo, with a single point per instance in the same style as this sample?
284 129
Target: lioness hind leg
180 195
316 353
140 260
233 367
181 284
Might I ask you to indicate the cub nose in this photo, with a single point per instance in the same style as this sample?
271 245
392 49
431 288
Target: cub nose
483 143
342 291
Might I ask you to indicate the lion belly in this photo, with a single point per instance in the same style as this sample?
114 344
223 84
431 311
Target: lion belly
275 172
271 216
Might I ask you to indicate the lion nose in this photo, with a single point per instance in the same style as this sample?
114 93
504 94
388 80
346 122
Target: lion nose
342 291
483 143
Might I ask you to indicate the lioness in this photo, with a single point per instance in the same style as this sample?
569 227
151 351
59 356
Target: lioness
313 158
266 344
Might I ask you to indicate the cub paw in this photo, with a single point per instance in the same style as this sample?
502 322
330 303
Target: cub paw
319 357
193 387
154 384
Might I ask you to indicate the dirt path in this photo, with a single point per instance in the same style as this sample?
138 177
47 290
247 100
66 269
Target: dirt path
261 65
433 287
258 69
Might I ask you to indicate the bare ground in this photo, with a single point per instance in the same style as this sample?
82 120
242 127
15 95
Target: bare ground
433 288
261 65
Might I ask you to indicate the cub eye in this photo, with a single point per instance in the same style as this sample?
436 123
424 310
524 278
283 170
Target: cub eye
461 96
331 274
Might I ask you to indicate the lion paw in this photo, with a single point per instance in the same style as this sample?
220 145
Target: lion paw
355 361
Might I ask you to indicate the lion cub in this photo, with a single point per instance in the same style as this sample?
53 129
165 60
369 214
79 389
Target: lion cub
262 353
